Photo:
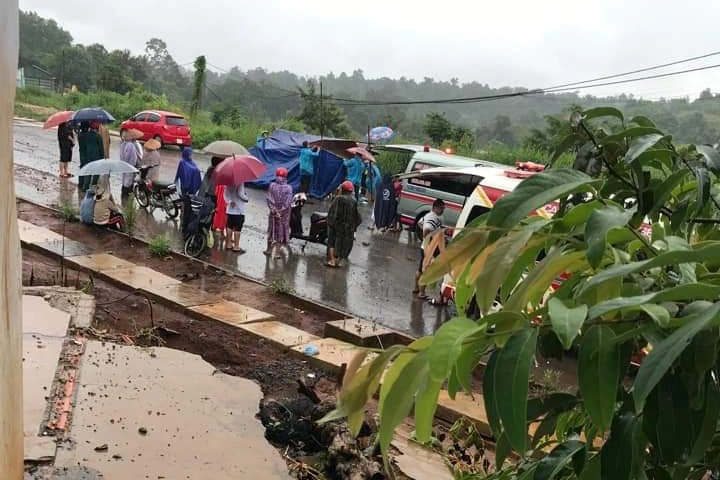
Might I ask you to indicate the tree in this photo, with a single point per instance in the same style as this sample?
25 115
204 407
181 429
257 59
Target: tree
198 85
322 116
438 127
624 288
40 39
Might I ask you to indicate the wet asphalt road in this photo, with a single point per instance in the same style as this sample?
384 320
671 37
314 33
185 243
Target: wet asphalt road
376 284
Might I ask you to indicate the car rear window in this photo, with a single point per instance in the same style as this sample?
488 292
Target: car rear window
176 121
460 184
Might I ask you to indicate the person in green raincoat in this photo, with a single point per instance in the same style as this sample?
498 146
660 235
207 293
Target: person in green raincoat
343 220
91 148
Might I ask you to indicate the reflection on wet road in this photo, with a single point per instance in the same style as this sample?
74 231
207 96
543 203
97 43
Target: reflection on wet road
376 284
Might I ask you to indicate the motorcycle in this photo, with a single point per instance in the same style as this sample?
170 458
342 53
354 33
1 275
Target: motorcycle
156 194
318 223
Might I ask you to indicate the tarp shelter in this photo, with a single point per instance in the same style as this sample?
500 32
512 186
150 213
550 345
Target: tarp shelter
282 149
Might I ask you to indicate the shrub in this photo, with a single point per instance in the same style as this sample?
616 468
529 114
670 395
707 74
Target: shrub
130 213
159 246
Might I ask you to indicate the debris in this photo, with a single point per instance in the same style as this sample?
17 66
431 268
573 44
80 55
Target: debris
142 431
311 350
102 448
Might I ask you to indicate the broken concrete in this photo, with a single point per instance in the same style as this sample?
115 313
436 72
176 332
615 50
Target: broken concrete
231 313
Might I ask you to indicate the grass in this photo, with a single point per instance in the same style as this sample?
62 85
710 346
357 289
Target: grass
281 286
159 246
130 213
68 212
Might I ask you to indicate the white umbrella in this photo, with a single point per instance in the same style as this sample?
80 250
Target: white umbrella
225 148
106 167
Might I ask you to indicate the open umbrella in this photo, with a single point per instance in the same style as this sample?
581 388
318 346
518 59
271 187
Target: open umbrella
236 170
364 154
58 118
380 134
90 114
106 167
225 148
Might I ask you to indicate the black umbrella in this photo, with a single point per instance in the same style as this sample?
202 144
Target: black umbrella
92 114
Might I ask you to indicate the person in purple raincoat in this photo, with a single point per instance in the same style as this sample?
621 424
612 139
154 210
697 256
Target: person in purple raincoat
279 200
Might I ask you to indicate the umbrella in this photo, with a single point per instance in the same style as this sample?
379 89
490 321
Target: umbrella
379 134
225 148
106 167
90 114
133 134
364 154
58 118
236 170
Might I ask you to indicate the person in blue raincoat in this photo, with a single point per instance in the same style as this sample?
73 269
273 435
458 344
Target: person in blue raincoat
373 180
355 167
308 157
188 177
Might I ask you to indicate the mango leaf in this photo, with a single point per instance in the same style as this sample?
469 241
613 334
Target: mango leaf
686 292
503 324
523 261
534 193
666 419
447 344
566 322
600 222
705 421
459 251
598 112
664 354
642 121
700 255
397 394
591 471
711 156
490 397
599 374
640 145
621 456
628 134
664 191
565 144
559 458
579 214
507 389
657 312
552 403
476 346
540 278
703 187
661 156
425 407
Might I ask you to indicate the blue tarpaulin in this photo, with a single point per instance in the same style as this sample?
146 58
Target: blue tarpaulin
282 149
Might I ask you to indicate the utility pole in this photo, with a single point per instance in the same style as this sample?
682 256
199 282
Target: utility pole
322 114
11 386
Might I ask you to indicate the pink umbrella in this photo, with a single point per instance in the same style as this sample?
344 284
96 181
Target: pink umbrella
364 154
238 169
57 118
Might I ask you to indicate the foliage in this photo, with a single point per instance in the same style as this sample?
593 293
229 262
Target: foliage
130 214
159 246
198 85
280 286
623 288
392 163
321 115
68 212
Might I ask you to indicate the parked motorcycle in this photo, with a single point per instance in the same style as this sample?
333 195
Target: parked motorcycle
318 223
156 194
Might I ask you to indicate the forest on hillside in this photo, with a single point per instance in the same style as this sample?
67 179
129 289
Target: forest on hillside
247 93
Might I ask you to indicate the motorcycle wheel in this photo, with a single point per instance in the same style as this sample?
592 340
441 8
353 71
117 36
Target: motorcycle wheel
141 195
195 244
171 209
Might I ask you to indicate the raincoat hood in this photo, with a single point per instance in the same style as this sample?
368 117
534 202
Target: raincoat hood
187 154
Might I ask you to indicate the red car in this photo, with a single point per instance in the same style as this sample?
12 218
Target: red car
166 127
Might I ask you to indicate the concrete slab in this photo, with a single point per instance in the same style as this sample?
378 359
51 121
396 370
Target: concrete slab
44 330
40 449
140 277
68 248
182 294
280 333
360 332
166 414
100 262
471 407
332 352
30 233
416 461
231 313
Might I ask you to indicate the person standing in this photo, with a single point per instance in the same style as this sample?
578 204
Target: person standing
217 194
188 176
385 206
308 158
91 148
66 142
372 181
431 226
235 198
343 220
130 153
151 158
355 169
279 200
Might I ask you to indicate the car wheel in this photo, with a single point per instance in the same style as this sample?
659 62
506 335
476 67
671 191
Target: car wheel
159 139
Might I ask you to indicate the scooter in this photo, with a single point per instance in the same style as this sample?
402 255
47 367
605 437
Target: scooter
318 223
158 194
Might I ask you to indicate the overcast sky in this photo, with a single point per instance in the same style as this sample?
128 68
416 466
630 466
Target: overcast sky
527 43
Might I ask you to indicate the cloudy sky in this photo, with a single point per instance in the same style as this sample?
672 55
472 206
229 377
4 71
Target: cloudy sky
526 43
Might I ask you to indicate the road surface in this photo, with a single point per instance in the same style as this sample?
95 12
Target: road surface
376 284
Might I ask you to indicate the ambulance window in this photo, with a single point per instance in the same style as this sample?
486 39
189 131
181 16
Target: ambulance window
475 212
462 184
421 166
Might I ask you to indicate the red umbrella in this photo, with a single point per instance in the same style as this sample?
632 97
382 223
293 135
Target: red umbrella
364 154
238 169
57 118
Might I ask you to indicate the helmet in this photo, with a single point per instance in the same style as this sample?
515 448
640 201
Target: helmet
281 172
347 186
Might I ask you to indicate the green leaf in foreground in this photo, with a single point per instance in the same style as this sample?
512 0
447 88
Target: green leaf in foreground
566 321
601 221
599 374
560 457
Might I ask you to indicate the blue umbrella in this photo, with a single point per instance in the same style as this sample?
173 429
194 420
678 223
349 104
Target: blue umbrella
379 134
91 114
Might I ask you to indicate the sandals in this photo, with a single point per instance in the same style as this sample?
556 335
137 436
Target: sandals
331 265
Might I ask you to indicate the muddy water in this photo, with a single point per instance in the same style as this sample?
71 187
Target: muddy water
376 284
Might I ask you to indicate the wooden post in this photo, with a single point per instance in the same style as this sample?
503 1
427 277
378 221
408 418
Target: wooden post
11 387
